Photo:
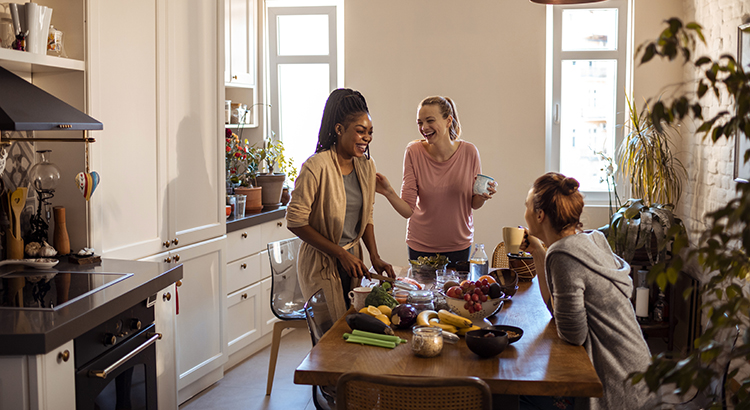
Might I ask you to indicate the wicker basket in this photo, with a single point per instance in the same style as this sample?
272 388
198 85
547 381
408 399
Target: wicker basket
523 266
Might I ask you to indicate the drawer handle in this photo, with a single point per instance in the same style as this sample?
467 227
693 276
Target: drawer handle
243 266
279 224
167 296
175 241
244 296
153 337
177 258
166 244
168 259
64 356
244 234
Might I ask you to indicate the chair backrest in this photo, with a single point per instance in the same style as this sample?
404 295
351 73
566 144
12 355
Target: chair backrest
500 256
287 300
319 319
367 391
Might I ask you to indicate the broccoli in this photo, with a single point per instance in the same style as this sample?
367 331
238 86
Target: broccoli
380 296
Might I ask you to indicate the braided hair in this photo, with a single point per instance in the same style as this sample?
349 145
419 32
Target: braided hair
342 107
559 198
447 107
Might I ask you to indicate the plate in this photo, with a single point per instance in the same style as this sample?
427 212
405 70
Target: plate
514 329
39 263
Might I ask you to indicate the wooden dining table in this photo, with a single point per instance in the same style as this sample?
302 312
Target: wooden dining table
539 364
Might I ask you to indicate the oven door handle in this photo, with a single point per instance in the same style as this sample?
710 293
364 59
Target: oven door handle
103 373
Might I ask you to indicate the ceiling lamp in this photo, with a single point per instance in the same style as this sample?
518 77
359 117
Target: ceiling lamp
564 1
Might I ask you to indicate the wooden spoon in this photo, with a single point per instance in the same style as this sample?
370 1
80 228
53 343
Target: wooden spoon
17 202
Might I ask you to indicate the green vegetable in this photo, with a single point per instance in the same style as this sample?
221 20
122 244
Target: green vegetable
430 262
367 341
387 338
379 296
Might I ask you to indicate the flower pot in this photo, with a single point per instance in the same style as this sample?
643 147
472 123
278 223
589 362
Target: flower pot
272 186
253 204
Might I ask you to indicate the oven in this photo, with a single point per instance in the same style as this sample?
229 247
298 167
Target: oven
116 362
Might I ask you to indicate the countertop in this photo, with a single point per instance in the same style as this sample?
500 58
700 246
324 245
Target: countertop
31 332
255 219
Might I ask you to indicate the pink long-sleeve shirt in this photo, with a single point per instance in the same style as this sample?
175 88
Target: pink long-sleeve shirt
439 194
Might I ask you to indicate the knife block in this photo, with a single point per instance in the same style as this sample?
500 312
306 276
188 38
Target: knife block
14 246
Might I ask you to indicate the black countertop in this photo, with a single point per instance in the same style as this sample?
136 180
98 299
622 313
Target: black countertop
255 219
30 332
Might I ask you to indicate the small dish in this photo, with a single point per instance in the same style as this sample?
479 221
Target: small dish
39 263
487 346
514 333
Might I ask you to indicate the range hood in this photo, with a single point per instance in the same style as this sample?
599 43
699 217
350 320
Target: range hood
26 107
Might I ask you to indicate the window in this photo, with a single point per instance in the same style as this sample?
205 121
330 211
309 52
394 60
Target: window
587 73
304 69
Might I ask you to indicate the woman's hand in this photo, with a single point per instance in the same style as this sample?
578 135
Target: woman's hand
492 191
382 186
353 266
531 244
382 267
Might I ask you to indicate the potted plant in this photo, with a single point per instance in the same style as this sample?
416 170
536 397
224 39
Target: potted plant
638 230
722 250
272 182
242 164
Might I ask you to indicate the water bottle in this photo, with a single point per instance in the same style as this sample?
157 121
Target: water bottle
479 263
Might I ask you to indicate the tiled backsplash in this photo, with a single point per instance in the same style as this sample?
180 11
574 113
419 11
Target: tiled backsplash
21 157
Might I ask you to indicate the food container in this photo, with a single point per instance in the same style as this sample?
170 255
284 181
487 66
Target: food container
427 341
421 300
401 296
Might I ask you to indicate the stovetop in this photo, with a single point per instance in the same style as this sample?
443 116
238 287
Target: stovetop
50 289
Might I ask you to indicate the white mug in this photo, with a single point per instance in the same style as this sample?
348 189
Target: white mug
513 237
482 184
358 296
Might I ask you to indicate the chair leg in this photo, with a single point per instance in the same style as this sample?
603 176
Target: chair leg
278 327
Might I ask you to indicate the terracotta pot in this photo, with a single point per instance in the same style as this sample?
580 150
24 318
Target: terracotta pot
253 203
272 186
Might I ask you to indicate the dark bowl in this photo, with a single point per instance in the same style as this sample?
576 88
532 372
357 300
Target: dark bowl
510 330
507 279
487 346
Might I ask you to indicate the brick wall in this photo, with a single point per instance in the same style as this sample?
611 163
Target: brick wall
709 165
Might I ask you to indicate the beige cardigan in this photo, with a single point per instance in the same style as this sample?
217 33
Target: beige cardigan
319 200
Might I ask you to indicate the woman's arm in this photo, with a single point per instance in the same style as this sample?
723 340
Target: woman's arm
535 247
353 265
380 265
383 187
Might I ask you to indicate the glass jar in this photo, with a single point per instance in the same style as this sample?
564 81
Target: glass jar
44 175
421 300
427 341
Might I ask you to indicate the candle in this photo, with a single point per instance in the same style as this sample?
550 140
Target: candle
641 302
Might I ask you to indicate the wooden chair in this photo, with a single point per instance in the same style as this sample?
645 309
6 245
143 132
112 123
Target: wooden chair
359 391
287 301
500 257
319 321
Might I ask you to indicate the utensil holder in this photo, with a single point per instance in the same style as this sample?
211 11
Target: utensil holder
14 246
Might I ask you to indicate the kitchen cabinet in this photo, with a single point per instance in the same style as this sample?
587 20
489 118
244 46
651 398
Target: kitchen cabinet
39 382
241 57
200 305
160 155
249 317
166 361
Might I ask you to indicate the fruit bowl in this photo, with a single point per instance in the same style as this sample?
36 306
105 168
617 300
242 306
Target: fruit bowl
489 308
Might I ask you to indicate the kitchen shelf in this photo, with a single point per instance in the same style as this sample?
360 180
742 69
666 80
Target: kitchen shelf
21 61
237 126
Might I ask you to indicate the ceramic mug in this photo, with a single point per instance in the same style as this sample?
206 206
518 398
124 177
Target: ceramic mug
513 237
358 296
482 184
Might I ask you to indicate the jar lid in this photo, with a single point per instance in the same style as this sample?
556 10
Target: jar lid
420 296
427 331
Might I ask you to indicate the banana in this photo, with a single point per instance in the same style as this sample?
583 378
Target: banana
435 322
462 331
453 319
423 318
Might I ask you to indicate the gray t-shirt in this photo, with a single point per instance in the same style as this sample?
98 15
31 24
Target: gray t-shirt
353 208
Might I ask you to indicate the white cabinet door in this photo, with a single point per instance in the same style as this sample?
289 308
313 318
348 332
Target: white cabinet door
52 379
166 362
243 317
200 342
241 26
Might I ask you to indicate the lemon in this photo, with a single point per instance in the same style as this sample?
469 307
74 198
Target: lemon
364 310
383 318
373 311
385 310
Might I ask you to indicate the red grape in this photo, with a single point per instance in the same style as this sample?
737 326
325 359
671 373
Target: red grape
467 297
477 306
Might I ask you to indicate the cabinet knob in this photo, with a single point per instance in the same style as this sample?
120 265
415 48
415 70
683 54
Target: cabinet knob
243 266
234 77
244 234
166 297
279 224
178 283
168 259
166 244
64 356
244 296
177 258
175 241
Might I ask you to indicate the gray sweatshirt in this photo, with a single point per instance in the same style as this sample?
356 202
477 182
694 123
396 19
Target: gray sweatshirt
591 288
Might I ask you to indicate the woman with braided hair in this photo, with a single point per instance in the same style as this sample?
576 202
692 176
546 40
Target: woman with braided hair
437 188
332 204
587 288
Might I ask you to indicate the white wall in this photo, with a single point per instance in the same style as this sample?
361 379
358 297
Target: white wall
488 56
